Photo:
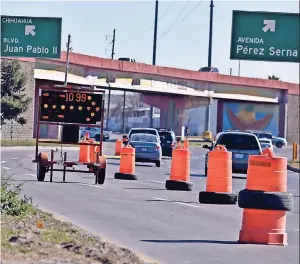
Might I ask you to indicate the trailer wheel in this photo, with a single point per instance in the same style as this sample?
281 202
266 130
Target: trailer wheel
41 168
100 175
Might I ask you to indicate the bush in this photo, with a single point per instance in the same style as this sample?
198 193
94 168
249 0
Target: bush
11 201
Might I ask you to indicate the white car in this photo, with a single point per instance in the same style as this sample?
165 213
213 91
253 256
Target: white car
94 132
265 143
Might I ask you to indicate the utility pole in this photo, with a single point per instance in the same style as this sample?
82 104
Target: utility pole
207 115
154 53
109 91
67 59
60 127
113 45
210 33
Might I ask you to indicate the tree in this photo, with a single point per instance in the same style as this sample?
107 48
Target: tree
192 104
14 101
273 77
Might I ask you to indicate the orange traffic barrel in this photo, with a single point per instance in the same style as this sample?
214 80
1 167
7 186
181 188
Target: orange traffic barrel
219 178
127 164
94 151
186 143
265 200
118 147
180 170
84 152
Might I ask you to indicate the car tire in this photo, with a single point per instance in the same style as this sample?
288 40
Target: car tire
279 144
157 163
97 137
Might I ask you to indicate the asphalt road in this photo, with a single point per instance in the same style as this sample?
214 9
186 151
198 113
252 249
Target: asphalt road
167 226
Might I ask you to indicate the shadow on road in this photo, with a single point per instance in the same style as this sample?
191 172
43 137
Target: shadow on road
197 175
48 181
191 241
240 177
192 175
144 188
143 165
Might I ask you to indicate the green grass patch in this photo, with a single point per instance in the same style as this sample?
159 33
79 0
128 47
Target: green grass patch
16 142
31 142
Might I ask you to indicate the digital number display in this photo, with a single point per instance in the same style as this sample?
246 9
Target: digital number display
71 107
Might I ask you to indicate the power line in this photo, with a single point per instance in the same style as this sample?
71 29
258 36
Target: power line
187 15
150 26
178 16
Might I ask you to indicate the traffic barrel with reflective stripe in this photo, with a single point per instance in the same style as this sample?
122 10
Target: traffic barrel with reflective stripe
265 200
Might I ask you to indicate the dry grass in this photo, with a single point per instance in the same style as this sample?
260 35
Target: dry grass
29 235
295 164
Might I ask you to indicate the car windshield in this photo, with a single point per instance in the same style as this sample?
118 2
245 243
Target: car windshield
167 136
144 138
240 142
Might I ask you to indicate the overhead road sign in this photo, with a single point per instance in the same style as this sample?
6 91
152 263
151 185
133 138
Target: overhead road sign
35 37
265 36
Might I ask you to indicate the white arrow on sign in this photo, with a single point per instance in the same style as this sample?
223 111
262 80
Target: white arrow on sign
29 30
269 25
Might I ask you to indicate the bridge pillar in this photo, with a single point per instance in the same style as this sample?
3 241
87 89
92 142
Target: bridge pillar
170 109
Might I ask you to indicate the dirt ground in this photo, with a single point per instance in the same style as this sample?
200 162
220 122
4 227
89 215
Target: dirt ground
39 238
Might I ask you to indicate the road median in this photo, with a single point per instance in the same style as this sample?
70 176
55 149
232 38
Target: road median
294 166
29 235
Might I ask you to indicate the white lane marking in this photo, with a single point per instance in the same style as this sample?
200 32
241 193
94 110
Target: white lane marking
182 203
32 175
30 155
90 185
6 168
196 157
195 172
159 199
297 230
14 158
191 205
3 161
156 181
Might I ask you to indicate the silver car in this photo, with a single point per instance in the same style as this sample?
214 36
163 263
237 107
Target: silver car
241 144
147 148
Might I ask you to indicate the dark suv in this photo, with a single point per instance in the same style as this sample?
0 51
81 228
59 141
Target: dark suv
168 141
241 144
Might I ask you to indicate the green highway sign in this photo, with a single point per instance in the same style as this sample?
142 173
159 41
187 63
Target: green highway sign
265 36
36 37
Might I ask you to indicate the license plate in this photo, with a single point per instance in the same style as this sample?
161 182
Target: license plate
239 156
144 149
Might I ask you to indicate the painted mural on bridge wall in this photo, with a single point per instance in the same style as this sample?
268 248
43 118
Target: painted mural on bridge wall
243 116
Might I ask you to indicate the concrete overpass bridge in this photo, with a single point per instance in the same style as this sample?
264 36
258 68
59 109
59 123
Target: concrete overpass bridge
236 102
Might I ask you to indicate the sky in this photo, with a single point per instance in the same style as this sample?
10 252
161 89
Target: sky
183 30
